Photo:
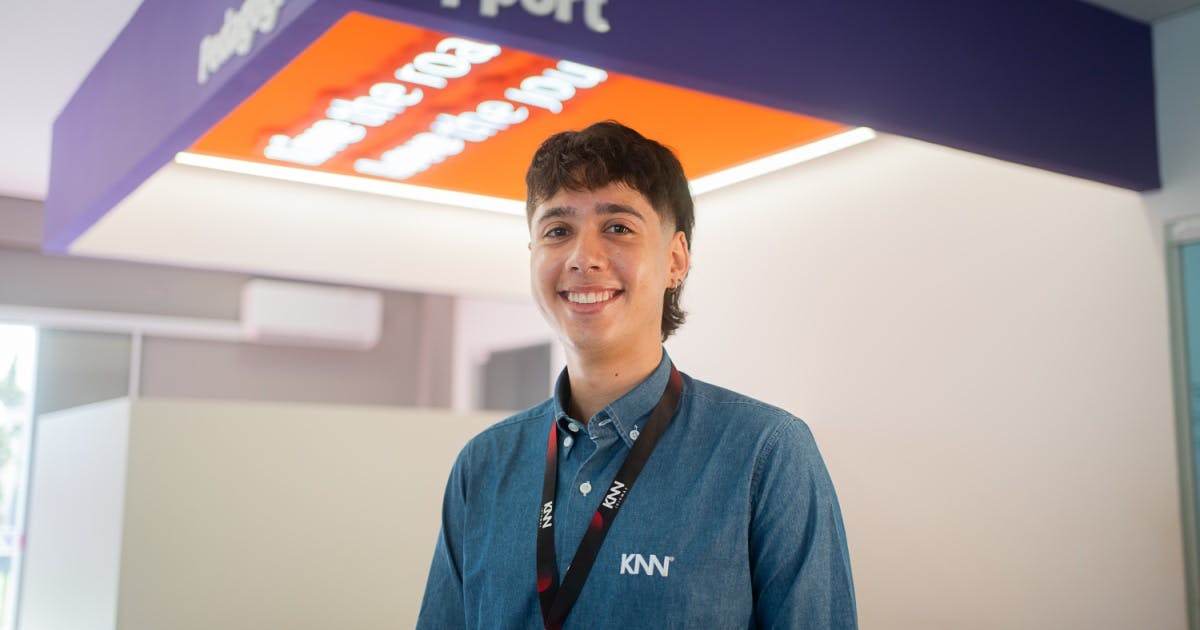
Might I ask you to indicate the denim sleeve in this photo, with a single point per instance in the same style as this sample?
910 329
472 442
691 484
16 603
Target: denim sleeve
800 566
442 608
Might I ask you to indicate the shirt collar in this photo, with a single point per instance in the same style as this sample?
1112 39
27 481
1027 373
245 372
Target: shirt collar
629 412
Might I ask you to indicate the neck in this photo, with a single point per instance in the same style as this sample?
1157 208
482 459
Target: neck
596 381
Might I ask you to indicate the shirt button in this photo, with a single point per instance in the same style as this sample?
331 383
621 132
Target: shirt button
568 441
633 435
573 427
585 488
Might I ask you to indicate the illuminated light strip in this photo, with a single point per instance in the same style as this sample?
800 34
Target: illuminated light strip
354 183
771 163
699 186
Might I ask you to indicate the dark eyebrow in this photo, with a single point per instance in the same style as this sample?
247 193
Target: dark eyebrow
556 212
559 212
617 208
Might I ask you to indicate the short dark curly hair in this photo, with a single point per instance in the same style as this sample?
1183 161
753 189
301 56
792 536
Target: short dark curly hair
606 153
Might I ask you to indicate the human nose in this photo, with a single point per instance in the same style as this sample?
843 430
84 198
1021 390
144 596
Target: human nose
587 253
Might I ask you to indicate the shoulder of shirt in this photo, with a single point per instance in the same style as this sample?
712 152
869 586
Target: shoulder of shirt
511 425
752 413
782 437
716 395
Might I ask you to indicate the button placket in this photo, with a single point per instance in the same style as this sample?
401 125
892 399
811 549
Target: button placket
574 504
583 486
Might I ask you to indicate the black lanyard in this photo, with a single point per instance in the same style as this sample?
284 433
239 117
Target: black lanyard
557 601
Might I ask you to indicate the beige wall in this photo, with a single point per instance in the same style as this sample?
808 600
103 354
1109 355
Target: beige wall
982 352
282 516
253 515
20 223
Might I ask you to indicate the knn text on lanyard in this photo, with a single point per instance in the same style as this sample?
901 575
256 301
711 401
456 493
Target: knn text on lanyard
556 600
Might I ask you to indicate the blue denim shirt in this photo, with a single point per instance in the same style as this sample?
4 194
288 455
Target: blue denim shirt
733 522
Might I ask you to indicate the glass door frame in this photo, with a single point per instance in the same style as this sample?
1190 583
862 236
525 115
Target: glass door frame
1177 235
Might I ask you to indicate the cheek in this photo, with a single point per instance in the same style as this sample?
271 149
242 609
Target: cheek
542 273
645 271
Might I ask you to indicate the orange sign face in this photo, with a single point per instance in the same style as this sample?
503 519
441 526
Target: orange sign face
377 98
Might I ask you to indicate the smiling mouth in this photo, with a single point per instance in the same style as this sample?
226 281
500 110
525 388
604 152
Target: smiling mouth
590 297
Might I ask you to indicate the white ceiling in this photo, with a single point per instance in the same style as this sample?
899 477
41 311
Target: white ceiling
47 47
185 216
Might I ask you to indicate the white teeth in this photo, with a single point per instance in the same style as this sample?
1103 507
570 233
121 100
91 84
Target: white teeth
590 297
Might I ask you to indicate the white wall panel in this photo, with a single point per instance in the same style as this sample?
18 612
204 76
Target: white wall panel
76 507
981 350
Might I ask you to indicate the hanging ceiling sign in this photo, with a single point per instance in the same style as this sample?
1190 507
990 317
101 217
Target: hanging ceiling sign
378 98
1068 88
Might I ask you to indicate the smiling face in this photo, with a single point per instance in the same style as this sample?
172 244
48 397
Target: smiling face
601 261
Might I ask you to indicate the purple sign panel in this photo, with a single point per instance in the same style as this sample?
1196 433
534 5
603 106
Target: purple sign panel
1056 84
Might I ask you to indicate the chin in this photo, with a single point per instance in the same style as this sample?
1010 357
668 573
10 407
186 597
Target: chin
587 341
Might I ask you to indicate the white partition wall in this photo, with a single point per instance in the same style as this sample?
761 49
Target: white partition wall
981 350
72 561
244 515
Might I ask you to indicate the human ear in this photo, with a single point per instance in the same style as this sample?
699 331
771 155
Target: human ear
679 257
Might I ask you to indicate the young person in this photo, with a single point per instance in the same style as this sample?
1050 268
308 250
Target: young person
733 521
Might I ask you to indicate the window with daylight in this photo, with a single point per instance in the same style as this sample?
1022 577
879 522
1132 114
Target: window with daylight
18 350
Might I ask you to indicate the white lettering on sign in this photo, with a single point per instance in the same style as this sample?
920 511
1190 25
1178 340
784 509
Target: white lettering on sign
449 135
381 104
346 120
236 35
563 10
318 143
553 87
453 58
